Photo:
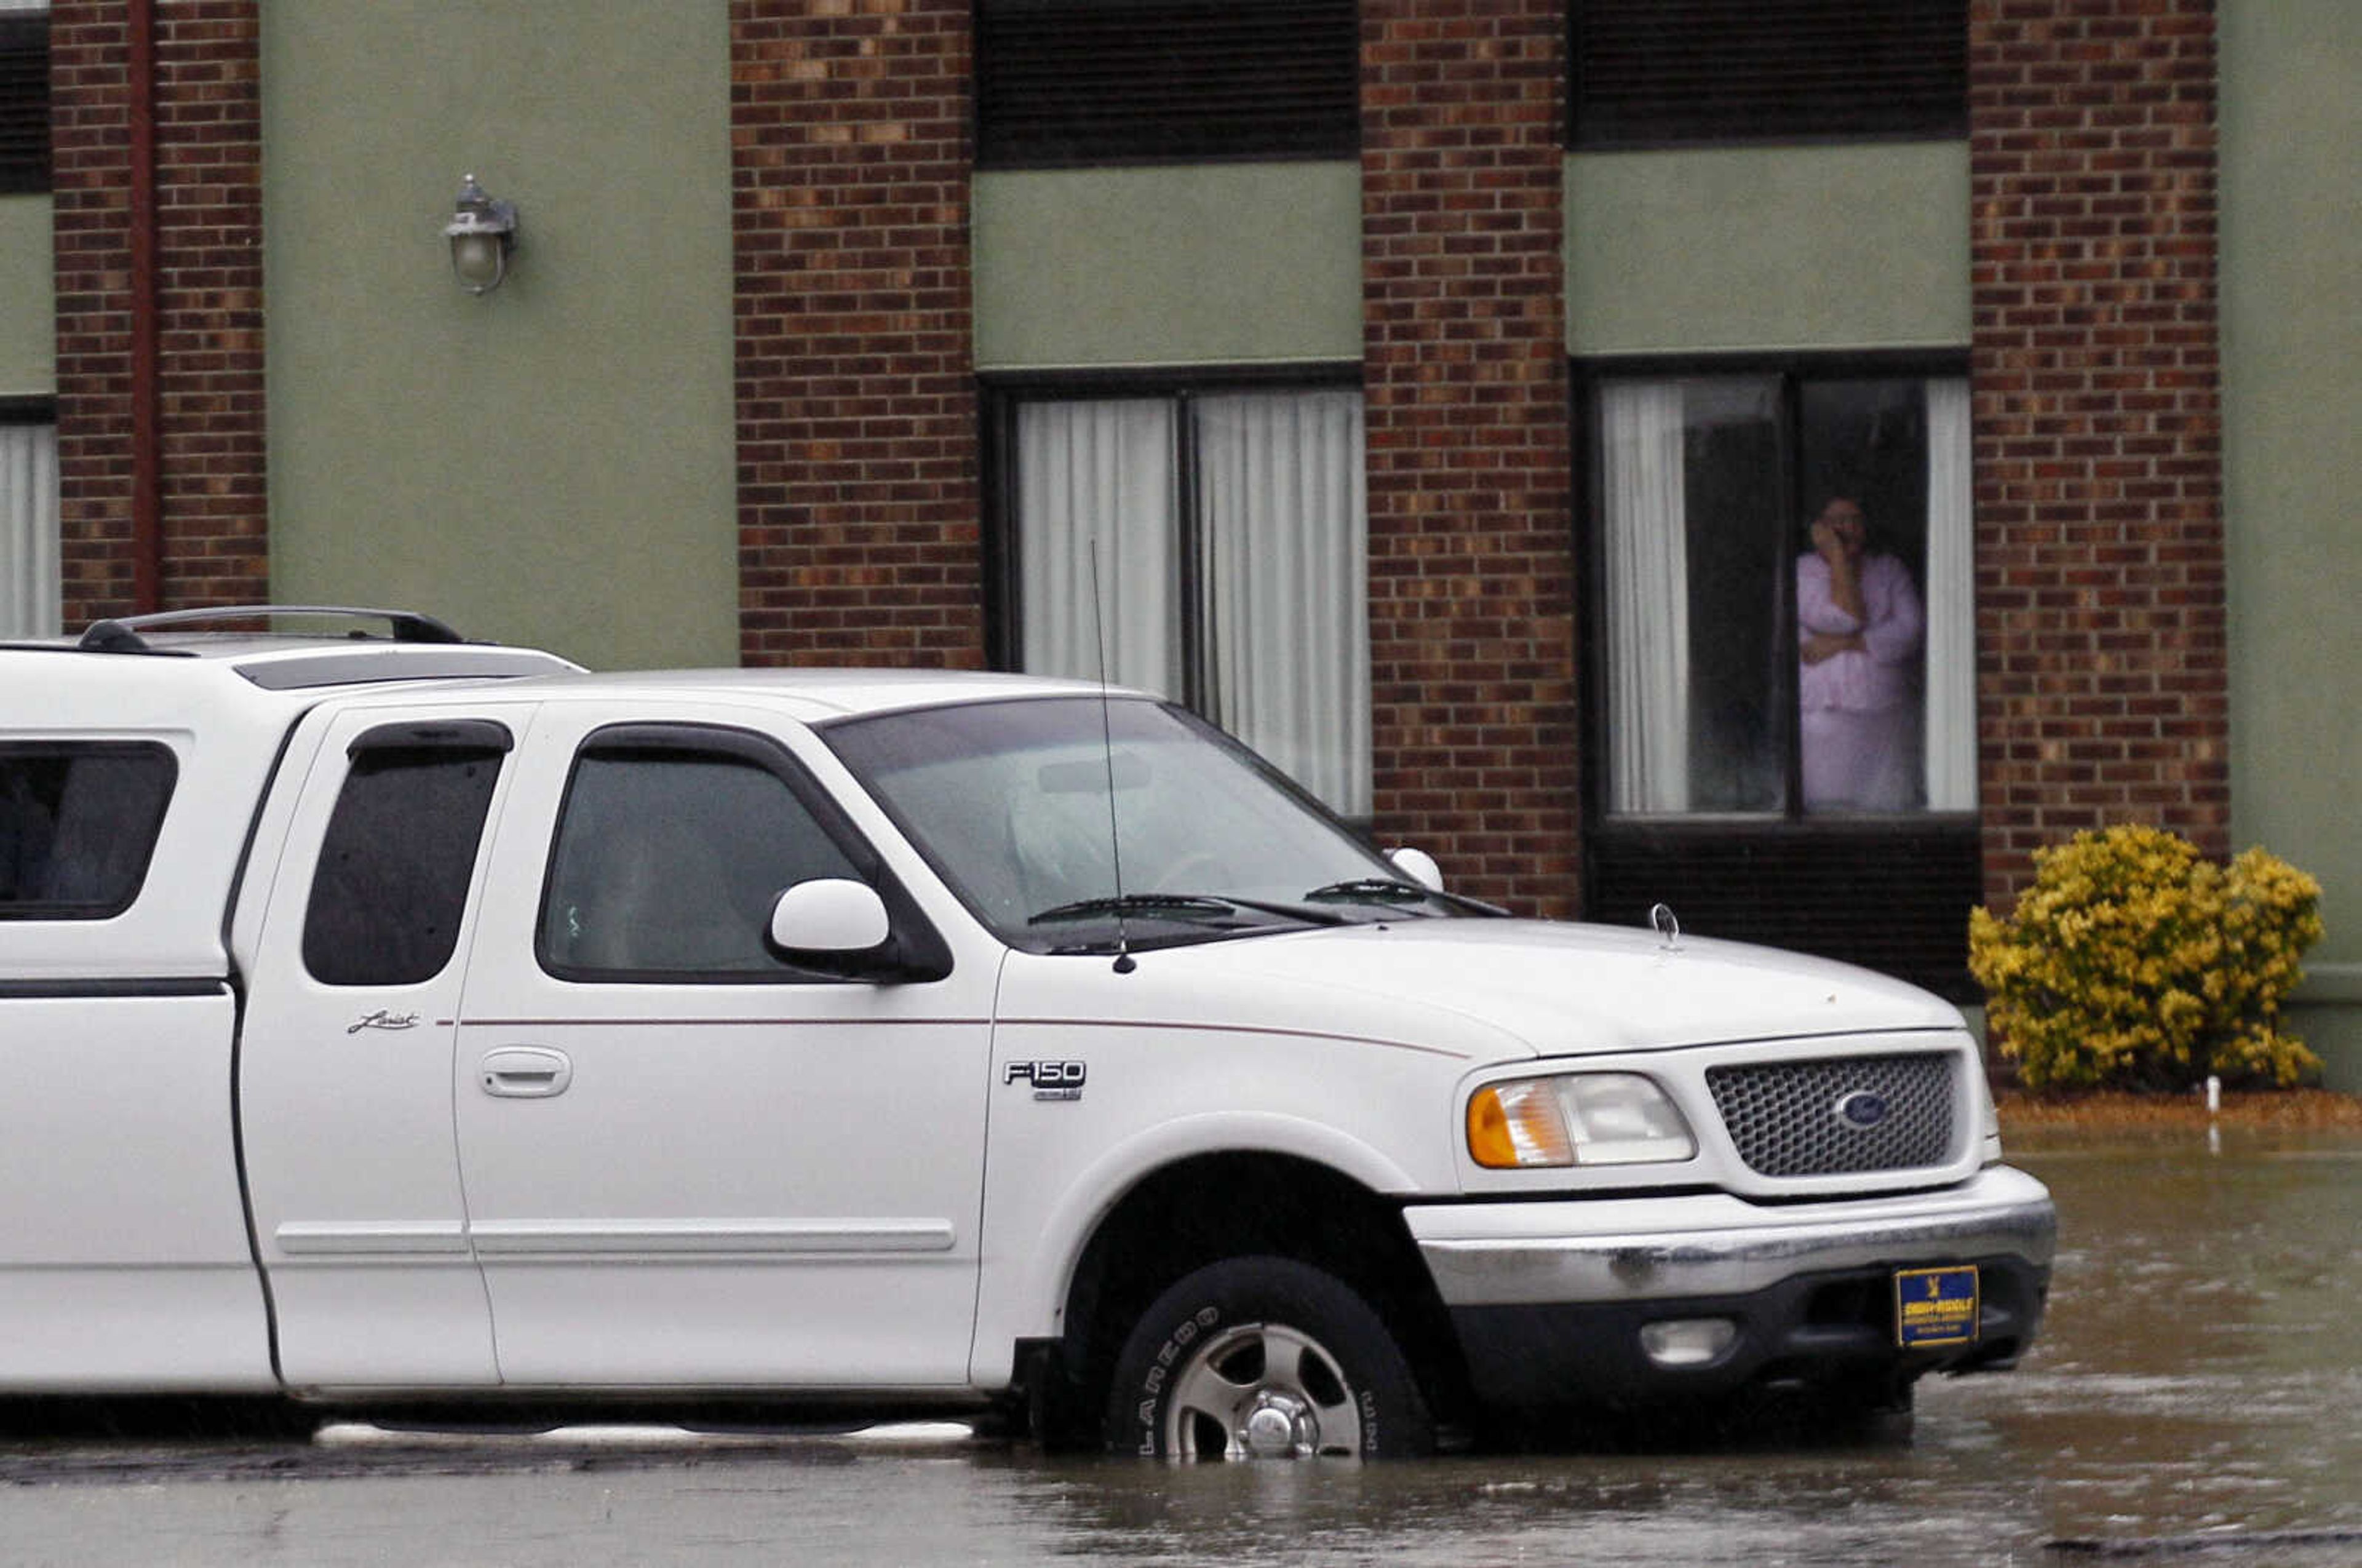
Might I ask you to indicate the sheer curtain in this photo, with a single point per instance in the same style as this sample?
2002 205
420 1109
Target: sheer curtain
1951 602
1283 520
1103 472
29 530
1648 597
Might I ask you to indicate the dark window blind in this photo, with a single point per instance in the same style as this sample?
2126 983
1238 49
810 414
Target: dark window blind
1660 72
1082 82
24 104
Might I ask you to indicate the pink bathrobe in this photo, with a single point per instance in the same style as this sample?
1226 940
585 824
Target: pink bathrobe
1861 709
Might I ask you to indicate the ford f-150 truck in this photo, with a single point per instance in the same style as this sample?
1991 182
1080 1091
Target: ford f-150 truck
389 1018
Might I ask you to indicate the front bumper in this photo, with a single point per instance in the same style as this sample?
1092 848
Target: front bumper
1549 1298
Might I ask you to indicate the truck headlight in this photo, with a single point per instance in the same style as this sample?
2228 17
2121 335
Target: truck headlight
1579 1119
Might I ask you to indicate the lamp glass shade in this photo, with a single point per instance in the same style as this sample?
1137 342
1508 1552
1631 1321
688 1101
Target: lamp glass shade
478 261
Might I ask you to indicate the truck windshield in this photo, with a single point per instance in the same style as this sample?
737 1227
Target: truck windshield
1020 807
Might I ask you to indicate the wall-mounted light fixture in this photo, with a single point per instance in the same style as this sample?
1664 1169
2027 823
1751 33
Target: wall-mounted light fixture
483 231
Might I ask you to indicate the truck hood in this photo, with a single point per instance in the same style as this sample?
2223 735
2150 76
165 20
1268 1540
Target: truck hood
1493 988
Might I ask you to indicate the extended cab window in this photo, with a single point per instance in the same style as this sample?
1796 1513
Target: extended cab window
78 824
672 848
400 854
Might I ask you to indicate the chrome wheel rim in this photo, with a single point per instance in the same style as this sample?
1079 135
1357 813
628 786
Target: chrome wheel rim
1261 1391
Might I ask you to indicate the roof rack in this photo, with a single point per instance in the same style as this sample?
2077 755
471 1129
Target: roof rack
123 633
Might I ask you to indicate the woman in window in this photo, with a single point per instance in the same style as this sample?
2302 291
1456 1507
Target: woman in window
1859 625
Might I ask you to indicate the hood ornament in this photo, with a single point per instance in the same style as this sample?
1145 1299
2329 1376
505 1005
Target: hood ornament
1668 929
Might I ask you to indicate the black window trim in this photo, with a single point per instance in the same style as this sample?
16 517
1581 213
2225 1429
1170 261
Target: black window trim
915 952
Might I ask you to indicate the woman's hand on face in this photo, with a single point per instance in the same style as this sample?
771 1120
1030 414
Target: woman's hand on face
1838 536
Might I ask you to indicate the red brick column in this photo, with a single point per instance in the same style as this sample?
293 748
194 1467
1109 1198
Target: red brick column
857 419
209 249
2102 662
1471 575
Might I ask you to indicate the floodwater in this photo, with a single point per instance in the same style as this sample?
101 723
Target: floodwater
2197 1397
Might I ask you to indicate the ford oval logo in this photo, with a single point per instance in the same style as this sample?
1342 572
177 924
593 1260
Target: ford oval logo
1862 1108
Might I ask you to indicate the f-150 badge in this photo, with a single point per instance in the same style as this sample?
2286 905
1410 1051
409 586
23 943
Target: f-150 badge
1050 1080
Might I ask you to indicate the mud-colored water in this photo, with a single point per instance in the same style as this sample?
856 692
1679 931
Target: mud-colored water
2198 1397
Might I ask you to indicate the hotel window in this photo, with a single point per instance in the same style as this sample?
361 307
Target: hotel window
30 584
1222 535
1783 676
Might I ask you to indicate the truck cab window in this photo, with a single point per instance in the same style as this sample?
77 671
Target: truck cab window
668 863
396 866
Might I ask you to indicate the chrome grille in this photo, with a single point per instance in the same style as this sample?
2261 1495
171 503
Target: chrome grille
1789 1118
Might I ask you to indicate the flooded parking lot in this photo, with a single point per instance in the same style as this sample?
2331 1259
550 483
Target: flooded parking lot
2198 1397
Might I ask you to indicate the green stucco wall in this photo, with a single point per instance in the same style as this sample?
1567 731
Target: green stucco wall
2291 300
1765 248
27 314
1242 263
1816 247
552 463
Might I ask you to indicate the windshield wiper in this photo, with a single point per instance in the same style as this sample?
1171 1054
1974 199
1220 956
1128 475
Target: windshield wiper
1181 906
1387 891
1133 903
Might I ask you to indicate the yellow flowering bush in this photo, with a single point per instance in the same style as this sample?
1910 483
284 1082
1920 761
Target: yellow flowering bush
2135 962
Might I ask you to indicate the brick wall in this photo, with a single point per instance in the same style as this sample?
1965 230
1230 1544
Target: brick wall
857 420
209 393
1471 577
2102 662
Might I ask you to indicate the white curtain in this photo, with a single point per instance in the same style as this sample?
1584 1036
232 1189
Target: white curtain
1099 472
28 531
1951 602
1648 598
1283 518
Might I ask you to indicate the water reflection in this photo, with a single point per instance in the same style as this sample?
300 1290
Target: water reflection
2200 1380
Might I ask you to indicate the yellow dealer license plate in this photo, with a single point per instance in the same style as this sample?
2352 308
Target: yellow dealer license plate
1936 1306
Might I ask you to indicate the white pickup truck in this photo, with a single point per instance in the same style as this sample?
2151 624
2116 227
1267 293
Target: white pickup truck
391 1018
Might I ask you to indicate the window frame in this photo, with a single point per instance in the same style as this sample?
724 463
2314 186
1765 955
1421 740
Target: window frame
1668 851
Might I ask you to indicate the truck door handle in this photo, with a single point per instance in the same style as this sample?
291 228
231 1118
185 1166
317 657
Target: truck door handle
526 1072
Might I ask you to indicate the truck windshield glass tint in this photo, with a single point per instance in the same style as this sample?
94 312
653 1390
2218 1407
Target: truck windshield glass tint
395 868
77 827
667 864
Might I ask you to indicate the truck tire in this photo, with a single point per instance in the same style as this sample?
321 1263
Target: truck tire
1262 1357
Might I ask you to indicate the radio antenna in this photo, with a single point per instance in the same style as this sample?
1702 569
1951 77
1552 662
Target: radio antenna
1124 962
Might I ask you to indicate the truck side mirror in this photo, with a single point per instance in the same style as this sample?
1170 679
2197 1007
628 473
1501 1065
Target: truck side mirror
1418 866
830 918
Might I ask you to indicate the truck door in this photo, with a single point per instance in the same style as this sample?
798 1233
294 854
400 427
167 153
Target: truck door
345 1071
687 1162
